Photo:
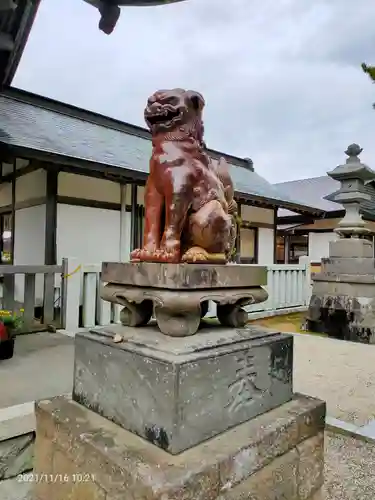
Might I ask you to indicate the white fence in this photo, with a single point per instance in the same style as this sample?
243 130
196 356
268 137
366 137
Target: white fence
288 286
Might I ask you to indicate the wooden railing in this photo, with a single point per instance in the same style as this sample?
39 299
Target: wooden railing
21 294
288 286
83 307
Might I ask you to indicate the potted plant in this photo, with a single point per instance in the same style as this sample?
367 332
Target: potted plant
9 324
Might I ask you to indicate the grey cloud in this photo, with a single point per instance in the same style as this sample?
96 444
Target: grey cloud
282 80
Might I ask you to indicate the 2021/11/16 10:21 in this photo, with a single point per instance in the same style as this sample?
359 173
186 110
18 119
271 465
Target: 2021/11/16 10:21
30 477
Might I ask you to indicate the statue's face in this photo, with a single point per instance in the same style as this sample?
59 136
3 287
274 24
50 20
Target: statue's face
167 110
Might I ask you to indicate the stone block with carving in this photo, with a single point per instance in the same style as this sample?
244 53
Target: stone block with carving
177 392
178 294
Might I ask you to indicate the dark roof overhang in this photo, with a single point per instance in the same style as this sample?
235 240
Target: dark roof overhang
16 20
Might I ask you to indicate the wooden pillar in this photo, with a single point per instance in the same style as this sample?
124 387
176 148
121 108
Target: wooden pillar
286 248
238 237
123 226
1 221
142 223
140 226
50 253
275 236
13 217
134 217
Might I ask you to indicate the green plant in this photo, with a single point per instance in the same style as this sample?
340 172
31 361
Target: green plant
10 323
370 71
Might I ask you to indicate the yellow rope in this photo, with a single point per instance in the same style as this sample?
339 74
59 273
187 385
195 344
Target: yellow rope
64 276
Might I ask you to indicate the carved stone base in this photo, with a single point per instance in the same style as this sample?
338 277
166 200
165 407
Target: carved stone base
278 455
178 294
177 392
343 296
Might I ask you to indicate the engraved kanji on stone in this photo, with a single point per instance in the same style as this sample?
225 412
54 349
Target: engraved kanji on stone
244 390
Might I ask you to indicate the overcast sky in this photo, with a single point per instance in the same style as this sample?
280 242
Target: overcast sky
281 79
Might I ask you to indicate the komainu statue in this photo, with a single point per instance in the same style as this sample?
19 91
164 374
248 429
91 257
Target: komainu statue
190 212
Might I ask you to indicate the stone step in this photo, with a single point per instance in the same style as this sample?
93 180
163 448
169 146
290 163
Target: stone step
17 437
14 489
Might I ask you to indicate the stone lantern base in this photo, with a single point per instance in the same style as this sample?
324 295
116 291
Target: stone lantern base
343 298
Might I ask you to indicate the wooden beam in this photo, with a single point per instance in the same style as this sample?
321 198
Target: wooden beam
50 251
6 42
238 236
13 217
275 236
134 217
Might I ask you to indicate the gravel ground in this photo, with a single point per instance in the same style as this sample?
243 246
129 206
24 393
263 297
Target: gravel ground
349 469
339 372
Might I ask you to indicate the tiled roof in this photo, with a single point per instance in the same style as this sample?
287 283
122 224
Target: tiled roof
314 190
40 124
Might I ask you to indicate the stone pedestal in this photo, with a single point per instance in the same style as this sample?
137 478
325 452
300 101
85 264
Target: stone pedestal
343 297
83 456
178 392
207 417
178 294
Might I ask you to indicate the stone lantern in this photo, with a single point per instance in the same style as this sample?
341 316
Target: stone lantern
343 296
352 193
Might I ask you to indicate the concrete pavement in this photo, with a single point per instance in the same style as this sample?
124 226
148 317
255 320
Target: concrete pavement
42 367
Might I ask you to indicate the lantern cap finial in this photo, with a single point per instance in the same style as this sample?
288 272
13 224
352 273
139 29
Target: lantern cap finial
353 150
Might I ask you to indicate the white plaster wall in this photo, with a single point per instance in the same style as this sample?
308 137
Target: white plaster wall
125 254
319 245
5 194
257 214
266 245
247 242
90 188
29 245
30 186
90 235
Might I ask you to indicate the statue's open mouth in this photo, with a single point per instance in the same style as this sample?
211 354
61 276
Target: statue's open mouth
163 117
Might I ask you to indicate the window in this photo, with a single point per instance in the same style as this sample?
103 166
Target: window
299 247
6 238
280 249
249 245
290 247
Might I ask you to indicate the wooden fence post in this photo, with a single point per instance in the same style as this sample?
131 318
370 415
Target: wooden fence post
306 261
70 294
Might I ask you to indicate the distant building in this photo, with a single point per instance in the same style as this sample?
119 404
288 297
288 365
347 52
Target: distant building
299 235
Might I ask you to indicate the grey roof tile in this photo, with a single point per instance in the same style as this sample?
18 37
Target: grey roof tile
311 191
314 190
34 126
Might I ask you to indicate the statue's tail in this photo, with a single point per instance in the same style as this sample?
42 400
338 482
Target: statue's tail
224 176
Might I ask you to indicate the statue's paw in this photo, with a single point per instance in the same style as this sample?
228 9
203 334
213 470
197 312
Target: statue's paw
142 255
168 256
195 254
136 254
159 255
